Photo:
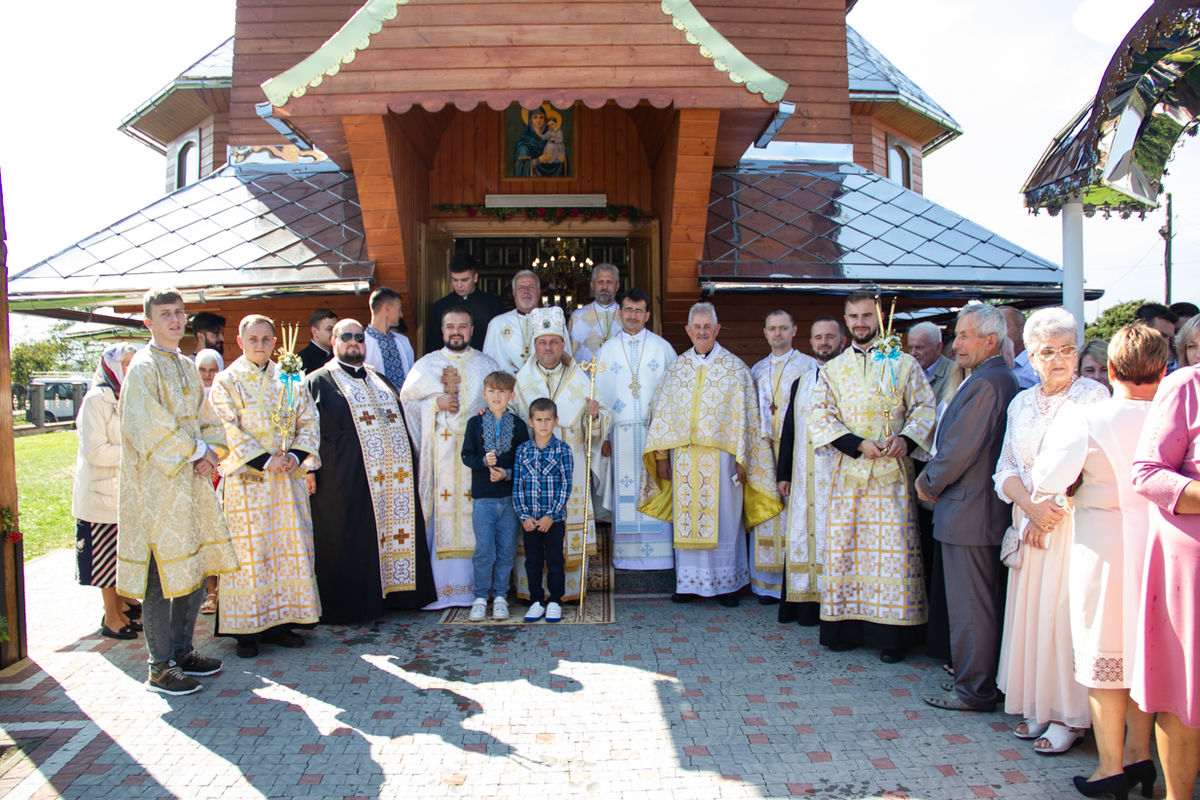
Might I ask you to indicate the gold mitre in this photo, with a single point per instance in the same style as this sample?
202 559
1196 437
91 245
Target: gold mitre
547 322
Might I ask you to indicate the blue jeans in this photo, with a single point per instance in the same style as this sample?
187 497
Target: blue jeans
495 522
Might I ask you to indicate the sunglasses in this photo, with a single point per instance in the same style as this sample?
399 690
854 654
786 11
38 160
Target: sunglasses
353 337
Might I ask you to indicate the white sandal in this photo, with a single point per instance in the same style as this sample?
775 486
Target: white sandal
1061 739
1033 729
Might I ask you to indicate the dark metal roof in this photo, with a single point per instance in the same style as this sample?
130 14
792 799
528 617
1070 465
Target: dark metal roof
875 79
832 227
228 235
1112 154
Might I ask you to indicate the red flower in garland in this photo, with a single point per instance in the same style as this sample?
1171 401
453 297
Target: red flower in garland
13 536
471 212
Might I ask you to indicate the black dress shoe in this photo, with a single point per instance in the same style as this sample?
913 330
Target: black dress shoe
1115 785
283 638
767 600
681 598
728 600
124 632
1142 772
247 646
893 655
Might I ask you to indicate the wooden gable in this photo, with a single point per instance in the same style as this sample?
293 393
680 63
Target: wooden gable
470 52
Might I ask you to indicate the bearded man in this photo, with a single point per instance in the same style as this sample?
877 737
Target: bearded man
442 391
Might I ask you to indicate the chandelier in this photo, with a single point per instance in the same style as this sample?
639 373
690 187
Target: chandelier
564 271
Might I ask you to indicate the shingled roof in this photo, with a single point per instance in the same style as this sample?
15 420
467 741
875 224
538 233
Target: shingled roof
233 234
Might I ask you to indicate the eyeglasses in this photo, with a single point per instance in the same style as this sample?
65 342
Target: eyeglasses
1067 351
353 337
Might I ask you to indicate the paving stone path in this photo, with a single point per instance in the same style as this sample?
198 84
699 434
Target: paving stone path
679 702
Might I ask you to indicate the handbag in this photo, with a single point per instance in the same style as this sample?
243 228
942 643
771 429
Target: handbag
1011 554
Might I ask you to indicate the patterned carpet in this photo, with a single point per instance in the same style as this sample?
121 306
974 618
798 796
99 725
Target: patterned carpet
598 605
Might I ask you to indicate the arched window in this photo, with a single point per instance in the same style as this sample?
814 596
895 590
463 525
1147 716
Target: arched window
899 166
187 165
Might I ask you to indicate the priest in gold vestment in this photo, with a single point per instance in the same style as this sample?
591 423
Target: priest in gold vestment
551 372
873 406
707 468
273 433
170 531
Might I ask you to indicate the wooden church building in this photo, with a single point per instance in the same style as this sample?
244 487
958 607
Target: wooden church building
758 154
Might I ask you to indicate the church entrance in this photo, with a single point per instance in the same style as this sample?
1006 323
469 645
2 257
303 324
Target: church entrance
563 264
549 252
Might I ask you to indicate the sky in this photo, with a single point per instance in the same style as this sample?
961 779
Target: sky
1011 73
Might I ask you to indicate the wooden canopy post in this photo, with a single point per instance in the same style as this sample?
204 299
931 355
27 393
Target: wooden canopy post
12 567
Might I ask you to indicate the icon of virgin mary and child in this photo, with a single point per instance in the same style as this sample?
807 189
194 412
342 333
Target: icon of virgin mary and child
541 150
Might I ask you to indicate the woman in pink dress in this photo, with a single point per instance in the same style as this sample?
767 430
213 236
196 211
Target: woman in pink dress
1166 678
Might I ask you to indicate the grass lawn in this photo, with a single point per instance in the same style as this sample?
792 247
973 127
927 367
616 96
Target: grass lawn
45 474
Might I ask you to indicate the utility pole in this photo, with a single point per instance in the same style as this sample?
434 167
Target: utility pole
1167 232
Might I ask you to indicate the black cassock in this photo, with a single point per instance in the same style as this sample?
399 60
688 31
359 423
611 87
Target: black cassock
344 539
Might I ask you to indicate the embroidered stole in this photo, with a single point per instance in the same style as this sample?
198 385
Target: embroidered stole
388 461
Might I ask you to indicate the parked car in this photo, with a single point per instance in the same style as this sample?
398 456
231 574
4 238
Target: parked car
58 392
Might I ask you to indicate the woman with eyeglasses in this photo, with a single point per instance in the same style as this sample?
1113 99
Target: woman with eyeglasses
1036 672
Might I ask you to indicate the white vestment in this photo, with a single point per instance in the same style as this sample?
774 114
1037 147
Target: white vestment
444 482
592 326
773 378
509 340
632 368
808 504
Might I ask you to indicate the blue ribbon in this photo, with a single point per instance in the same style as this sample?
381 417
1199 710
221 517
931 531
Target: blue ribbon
892 358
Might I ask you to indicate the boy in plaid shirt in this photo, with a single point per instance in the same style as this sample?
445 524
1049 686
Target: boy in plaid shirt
541 486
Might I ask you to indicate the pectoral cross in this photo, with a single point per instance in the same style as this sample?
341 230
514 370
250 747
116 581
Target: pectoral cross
451 380
634 386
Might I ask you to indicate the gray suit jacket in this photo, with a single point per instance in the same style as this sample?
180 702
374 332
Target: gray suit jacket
941 374
970 436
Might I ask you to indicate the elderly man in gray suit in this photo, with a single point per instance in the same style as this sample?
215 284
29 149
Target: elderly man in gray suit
925 345
969 519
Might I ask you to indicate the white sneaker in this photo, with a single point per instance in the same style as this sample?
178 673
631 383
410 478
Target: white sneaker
553 612
534 613
500 608
478 610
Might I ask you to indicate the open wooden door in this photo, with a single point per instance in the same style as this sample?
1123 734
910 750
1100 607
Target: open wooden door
433 282
644 269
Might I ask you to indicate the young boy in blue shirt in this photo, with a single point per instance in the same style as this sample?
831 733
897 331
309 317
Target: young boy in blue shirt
541 486
489 448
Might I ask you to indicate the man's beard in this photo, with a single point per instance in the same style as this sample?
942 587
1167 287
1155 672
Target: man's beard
870 336
352 359
825 355
462 345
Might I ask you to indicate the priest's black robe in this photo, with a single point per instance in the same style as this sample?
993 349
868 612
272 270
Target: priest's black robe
345 546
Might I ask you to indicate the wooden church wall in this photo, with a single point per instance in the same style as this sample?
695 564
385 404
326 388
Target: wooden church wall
606 158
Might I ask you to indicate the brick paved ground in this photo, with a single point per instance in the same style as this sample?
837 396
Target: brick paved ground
678 702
